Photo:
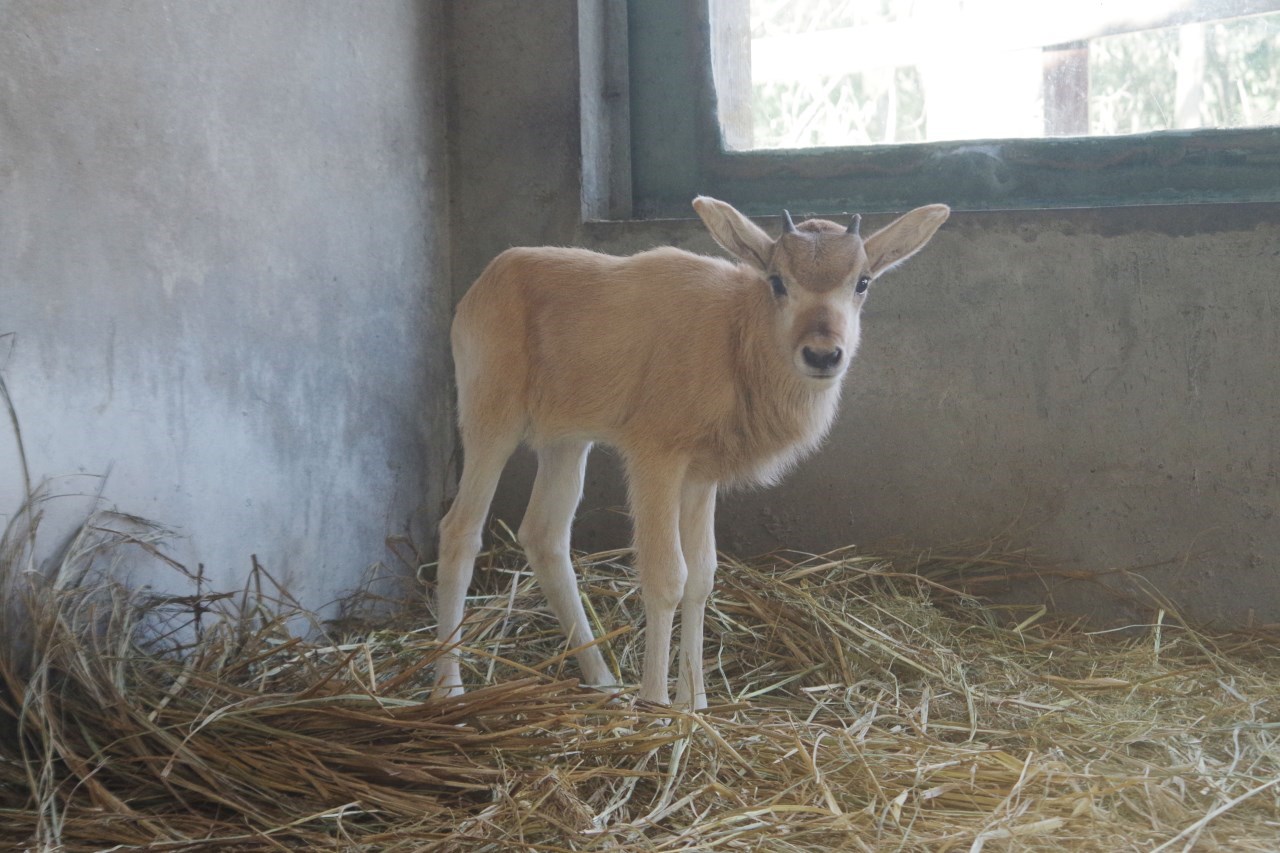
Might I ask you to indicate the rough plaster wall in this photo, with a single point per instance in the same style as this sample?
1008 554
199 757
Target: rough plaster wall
1097 385
514 140
222 230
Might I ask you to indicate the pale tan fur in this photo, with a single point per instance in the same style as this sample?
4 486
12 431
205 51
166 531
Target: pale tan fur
692 367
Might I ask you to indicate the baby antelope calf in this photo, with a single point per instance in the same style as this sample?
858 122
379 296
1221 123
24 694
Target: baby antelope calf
701 372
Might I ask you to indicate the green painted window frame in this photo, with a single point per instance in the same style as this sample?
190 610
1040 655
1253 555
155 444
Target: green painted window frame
677 151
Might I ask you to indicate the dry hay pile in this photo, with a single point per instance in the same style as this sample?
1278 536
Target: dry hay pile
866 704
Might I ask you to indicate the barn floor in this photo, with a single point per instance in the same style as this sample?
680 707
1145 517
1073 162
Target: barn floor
865 702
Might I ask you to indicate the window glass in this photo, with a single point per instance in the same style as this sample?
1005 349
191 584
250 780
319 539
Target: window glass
823 73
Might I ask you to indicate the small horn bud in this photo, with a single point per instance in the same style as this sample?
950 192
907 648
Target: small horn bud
788 227
855 224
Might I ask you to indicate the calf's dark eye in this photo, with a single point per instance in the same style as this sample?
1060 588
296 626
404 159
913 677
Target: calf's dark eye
861 286
779 289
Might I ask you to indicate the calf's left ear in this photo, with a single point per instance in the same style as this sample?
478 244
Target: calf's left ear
903 237
734 232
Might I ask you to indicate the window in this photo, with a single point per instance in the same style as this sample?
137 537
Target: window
867 105
849 72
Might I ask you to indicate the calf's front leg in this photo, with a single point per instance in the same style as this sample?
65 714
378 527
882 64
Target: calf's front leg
655 485
698 543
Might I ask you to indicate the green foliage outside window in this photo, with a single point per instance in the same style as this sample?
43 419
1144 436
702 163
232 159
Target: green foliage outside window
1132 80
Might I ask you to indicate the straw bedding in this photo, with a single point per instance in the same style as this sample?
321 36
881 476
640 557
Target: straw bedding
865 703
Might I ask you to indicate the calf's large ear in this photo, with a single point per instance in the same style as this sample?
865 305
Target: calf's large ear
739 236
903 237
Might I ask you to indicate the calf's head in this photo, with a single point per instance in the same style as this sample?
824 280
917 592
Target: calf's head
818 274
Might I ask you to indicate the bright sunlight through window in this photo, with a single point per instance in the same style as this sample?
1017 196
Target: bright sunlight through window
808 73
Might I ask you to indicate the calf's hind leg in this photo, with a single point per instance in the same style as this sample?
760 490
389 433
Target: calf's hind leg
484 457
544 533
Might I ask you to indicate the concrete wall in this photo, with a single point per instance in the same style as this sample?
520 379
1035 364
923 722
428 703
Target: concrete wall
1096 385
230 241
225 270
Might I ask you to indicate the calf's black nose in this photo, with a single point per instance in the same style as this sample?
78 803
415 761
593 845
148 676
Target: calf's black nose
822 359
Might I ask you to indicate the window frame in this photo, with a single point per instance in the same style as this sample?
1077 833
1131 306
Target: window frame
677 151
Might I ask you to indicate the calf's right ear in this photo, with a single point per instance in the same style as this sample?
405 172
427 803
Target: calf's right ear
739 236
